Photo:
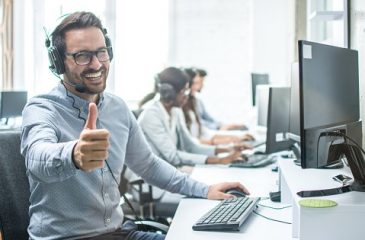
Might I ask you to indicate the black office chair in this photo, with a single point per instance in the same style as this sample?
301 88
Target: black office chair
14 188
137 112
15 193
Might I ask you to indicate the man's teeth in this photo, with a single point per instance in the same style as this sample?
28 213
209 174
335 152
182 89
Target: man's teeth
93 75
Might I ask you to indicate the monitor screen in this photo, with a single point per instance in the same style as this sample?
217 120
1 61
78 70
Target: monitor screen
258 79
329 79
278 120
12 103
328 100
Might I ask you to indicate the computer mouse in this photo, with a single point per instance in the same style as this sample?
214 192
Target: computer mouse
275 196
236 192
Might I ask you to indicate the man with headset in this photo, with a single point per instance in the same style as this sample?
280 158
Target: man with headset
76 138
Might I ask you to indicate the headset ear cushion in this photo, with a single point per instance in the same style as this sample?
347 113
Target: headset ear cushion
108 44
167 92
56 61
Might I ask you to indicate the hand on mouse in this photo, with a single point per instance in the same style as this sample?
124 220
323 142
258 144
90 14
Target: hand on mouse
217 191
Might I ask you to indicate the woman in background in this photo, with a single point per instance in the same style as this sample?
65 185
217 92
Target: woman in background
164 127
193 121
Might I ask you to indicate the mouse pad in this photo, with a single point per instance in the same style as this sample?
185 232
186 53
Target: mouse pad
317 203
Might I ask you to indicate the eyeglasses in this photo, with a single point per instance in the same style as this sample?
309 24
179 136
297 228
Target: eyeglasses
84 57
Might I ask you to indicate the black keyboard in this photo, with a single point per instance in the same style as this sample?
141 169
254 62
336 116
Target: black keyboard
228 215
254 161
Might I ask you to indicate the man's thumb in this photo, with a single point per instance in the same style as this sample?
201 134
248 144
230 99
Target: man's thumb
91 118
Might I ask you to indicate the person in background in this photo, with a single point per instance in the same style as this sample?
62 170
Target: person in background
163 124
76 138
206 119
193 121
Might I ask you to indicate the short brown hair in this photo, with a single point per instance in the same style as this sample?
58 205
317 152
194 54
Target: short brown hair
76 20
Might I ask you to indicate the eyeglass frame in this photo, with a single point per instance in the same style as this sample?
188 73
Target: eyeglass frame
91 55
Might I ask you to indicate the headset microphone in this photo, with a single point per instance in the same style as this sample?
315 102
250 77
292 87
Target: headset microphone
81 88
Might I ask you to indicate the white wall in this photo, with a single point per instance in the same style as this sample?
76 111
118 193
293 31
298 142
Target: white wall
215 35
230 39
273 38
140 47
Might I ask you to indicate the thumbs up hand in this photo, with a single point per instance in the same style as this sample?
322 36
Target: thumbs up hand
91 150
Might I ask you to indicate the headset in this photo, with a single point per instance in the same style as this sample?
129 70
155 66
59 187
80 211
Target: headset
56 59
166 90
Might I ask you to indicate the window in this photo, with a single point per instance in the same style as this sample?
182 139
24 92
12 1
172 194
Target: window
141 46
327 22
139 38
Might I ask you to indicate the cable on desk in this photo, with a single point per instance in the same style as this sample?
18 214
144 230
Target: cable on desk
266 206
271 219
275 208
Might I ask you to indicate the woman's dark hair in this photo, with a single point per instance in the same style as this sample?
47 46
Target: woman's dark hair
191 103
201 72
176 78
76 20
191 106
191 72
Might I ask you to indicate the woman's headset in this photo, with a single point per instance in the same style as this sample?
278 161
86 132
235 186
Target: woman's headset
166 90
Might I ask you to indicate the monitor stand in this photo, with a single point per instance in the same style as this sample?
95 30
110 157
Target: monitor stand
357 165
334 165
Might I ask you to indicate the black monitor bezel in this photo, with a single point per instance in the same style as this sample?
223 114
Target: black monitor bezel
23 94
278 119
313 133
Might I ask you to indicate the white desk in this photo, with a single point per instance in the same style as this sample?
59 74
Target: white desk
345 221
259 181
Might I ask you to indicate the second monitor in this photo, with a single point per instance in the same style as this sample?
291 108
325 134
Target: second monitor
273 113
325 95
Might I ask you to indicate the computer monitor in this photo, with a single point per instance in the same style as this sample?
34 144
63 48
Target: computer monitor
294 111
278 120
262 97
258 79
328 100
12 103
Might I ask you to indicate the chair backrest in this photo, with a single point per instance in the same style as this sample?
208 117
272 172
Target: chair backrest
137 112
14 188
